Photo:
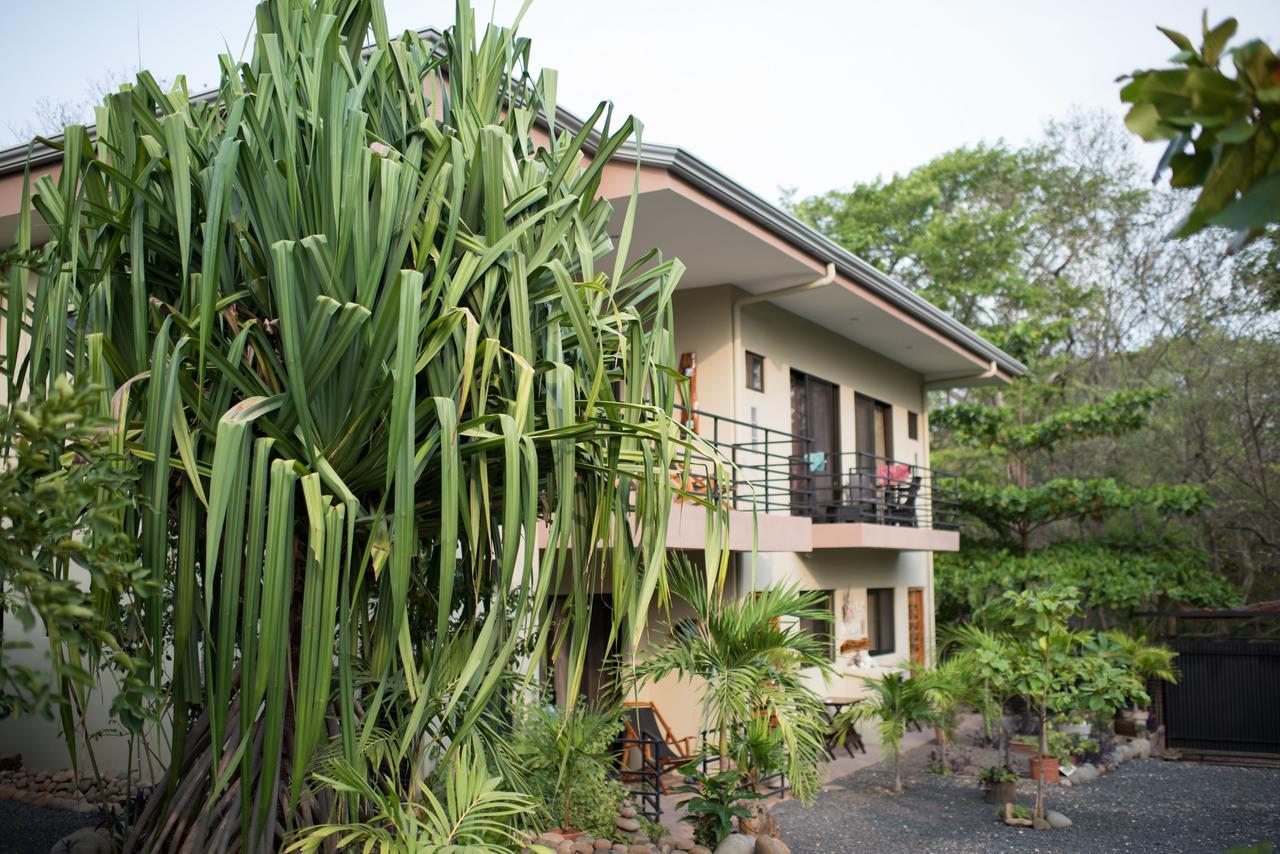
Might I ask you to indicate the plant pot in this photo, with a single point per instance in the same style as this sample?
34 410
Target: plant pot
1000 793
1044 768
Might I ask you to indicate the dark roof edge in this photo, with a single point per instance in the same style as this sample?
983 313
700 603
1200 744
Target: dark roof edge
724 189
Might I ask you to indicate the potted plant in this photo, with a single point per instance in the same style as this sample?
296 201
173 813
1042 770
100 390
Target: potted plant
999 784
895 700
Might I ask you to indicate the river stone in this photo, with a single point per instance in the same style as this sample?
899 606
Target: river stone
699 849
84 841
627 811
771 845
1057 819
1144 747
737 843
602 844
630 825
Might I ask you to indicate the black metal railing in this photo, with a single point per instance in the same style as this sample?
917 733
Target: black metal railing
861 487
762 474
774 471
639 770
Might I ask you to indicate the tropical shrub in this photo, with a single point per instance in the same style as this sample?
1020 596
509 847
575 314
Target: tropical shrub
748 654
717 799
353 329
472 814
894 701
562 759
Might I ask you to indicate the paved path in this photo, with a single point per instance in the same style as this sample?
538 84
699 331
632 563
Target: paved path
1145 805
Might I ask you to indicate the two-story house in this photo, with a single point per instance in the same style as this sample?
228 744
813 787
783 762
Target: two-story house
811 371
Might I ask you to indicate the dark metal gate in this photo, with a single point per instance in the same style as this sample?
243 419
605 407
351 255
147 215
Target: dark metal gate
1227 699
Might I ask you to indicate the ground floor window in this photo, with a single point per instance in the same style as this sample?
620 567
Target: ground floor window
880 620
823 630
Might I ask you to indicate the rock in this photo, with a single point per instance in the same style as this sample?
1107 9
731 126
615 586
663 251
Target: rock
10 761
684 844
1065 782
627 811
63 777
1057 819
640 848
771 845
1143 746
581 847
1040 824
737 843
699 849
552 838
620 848
565 847
629 825
602 845
83 841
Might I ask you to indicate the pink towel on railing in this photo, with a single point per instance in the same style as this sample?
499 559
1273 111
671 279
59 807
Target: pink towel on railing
893 474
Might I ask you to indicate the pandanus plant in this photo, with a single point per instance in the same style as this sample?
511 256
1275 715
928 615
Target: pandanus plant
351 317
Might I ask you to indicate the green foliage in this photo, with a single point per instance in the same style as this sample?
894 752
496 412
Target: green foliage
362 345
1069 746
993 774
1113 580
716 802
894 701
749 653
1230 122
66 559
1006 429
472 813
562 760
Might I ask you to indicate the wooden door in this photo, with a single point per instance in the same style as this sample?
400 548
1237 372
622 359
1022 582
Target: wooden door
815 415
873 430
915 624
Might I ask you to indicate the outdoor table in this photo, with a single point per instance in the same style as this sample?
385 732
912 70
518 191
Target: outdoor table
835 706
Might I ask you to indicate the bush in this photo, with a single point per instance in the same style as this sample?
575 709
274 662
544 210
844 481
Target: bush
565 764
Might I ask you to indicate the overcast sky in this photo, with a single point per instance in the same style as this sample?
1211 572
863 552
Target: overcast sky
814 94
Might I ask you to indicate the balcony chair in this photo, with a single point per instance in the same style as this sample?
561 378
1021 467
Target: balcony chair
903 512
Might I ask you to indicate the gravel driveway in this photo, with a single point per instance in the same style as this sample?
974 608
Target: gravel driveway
1145 805
25 829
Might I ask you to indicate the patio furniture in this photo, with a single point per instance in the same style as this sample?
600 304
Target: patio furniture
643 721
836 705
902 510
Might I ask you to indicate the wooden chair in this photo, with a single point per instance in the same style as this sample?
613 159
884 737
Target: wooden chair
643 720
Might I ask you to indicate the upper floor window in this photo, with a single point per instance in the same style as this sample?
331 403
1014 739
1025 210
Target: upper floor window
755 371
913 425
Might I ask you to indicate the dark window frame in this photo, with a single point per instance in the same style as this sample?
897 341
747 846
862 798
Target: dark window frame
825 630
755 379
913 425
881 628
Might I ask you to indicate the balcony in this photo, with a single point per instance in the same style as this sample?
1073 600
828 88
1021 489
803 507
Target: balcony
852 500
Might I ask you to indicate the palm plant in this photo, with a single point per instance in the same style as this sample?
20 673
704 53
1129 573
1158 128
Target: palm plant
894 700
471 814
748 654
348 318
949 686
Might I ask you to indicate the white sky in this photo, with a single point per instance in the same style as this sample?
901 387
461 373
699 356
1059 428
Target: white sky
808 93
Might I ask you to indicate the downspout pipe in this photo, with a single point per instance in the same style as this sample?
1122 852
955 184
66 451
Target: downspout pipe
739 355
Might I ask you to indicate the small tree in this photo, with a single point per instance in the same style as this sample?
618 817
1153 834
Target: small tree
1051 666
749 653
896 699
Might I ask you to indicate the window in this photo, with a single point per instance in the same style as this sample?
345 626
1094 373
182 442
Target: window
913 425
823 630
880 620
755 371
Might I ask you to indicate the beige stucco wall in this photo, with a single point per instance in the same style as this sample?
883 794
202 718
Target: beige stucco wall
704 325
